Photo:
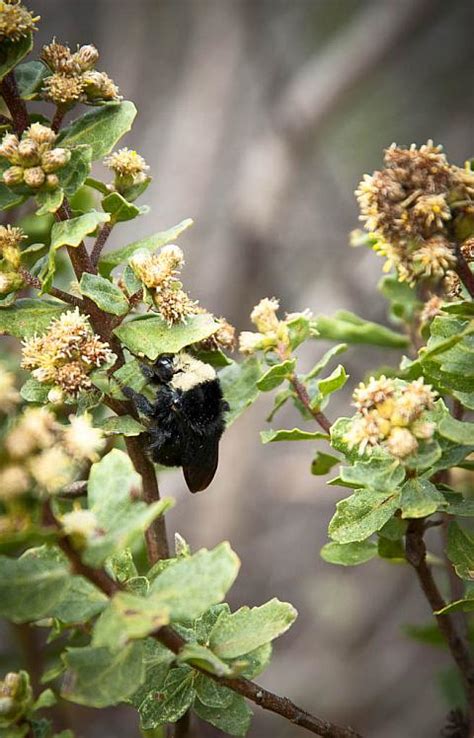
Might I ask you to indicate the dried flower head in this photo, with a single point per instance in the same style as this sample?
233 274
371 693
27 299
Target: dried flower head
99 86
223 338
9 395
263 316
66 354
467 249
33 431
391 414
63 89
16 21
60 59
52 469
81 440
128 166
81 525
452 285
431 309
407 206
173 303
155 268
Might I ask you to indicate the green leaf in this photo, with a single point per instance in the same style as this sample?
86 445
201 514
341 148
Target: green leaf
29 316
49 201
8 198
323 463
46 699
171 700
151 335
460 551
113 482
384 474
129 375
75 172
324 361
13 52
202 657
349 554
402 298
233 719
34 391
81 602
276 375
101 677
295 434
101 128
29 78
362 514
456 430
69 233
210 693
420 498
120 210
128 617
299 329
239 386
113 259
31 586
334 382
123 425
106 295
245 630
192 585
347 327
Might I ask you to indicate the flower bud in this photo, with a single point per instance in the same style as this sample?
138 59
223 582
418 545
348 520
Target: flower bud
28 152
13 176
55 396
55 159
52 181
86 57
41 134
9 146
34 177
99 86
10 282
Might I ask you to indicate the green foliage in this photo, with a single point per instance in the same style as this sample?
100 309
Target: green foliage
349 554
277 374
120 210
239 385
347 327
100 128
29 78
28 316
151 335
295 434
106 295
13 52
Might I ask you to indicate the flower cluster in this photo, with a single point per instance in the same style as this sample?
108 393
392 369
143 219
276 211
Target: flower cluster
16 698
16 21
74 78
408 205
9 395
272 333
65 355
42 453
223 338
391 414
158 272
10 256
34 161
129 168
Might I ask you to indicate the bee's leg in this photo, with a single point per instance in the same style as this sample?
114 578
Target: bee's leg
142 404
148 372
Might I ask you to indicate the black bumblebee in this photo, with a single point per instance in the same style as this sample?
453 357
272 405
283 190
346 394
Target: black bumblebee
186 419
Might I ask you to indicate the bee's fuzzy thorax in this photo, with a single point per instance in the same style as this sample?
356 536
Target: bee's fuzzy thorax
190 372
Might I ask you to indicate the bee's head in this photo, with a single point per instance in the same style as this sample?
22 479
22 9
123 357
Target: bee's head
164 367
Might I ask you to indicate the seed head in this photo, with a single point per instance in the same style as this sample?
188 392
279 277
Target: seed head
16 21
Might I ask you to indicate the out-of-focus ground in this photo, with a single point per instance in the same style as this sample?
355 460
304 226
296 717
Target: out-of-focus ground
258 118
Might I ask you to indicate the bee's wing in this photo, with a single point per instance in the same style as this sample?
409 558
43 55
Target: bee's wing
199 471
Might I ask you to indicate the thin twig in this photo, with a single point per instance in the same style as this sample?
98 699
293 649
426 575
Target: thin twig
174 642
14 103
34 282
416 556
100 242
304 398
58 118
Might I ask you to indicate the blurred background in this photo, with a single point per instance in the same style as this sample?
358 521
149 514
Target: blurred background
258 118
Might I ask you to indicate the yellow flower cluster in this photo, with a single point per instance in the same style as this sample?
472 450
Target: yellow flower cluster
42 453
272 333
391 415
16 21
34 161
128 166
66 354
74 78
10 256
157 271
408 206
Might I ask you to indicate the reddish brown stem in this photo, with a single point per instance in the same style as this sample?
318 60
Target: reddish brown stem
34 282
14 103
174 642
303 397
58 118
464 271
100 242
